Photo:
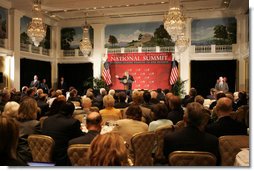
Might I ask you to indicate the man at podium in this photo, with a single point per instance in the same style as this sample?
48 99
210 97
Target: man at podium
126 80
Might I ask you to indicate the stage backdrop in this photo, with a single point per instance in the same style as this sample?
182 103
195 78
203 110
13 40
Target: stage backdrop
150 70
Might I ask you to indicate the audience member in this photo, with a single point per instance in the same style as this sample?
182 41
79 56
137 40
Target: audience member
212 94
43 105
160 115
9 134
122 101
225 125
5 97
147 100
147 114
218 96
98 101
242 99
175 108
93 125
190 97
108 150
161 95
28 125
62 128
132 125
11 109
110 113
154 97
191 137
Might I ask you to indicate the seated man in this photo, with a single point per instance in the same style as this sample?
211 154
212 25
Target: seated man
225 125
93 124
192 137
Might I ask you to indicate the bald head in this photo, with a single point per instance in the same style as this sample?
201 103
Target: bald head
93 119
224 106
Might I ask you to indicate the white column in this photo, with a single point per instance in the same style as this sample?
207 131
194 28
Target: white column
56 49
15 45
98 50
242 39
184 59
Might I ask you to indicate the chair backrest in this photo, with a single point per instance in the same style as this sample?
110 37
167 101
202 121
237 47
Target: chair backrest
42 119
231 145
78 154
160 134
41 147
143 145
191 158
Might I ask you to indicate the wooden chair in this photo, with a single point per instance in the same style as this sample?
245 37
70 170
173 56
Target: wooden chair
78 154
143 145
160 134
191 158
231 145
41 147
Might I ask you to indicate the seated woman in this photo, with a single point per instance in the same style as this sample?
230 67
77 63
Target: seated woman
160 113
108 150
132 125
110 113
8 142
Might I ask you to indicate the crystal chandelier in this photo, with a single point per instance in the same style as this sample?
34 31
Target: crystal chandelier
37 29
85 45
174 21
182 43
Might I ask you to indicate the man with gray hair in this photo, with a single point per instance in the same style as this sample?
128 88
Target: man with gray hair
225 125
192 137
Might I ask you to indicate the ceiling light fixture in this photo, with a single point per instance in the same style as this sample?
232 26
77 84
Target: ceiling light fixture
37 29
85 45
174 21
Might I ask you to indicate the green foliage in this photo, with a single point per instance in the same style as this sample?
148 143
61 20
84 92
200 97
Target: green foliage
112 40
95 83
220 31
178 88
160 38
67 36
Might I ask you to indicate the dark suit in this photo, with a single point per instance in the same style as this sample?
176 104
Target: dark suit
191 139
62 86
176 115
128 85
35 84
85 139
62 129
226 126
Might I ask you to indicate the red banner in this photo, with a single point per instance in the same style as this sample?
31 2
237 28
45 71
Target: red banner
149 70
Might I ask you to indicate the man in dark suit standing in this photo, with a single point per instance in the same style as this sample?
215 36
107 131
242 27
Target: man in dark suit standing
62 85
35 82
126 80
192 137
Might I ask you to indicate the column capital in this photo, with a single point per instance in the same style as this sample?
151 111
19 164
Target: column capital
16 12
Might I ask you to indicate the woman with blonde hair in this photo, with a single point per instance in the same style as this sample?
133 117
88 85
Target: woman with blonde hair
11 109
108 150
